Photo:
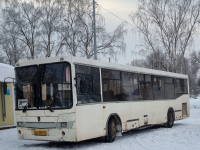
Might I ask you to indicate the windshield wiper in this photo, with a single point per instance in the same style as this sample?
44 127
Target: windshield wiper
50 109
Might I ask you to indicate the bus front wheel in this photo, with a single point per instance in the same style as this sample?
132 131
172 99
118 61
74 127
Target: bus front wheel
111 131
170 119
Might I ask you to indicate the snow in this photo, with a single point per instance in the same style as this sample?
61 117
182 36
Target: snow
184 135
6 71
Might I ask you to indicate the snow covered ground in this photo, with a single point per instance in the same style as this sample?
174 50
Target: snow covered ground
185 135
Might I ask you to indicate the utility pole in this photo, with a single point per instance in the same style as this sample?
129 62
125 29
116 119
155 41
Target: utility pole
94 28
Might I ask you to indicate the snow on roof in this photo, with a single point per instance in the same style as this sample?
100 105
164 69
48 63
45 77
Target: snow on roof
6 71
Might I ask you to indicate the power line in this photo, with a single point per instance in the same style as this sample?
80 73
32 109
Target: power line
116 16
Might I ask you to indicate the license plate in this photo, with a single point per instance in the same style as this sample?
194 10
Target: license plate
40 133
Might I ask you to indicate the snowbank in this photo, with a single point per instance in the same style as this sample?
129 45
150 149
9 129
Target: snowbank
184 135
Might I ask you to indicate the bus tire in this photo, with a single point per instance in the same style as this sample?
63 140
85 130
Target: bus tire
170 119
111 131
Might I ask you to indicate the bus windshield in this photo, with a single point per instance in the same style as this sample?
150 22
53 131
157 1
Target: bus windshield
44 86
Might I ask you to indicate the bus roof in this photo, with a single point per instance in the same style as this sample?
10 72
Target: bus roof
97 63
5 72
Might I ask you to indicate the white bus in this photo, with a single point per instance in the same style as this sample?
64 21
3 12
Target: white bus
74 99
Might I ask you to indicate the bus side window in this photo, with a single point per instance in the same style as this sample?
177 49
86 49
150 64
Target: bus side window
111 82
130 86
158 87
145 89
169 88
181 87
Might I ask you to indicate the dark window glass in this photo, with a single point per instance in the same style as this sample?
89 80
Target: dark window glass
110 74
111 85
44 86
169 88
56 85
185 86
111 90
26 81
181 87
145 89
158 87
169 80
83 69
141 77
130 86
148 78
88 84
53 73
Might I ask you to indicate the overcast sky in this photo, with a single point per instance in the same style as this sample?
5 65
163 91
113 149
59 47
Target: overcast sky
121 8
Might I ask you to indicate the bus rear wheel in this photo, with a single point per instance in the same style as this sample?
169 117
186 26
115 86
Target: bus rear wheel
111 131
170 120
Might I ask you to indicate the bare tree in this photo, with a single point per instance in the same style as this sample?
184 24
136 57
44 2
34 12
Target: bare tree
79 31
54 27
168 27
70 30
10 44
12 47
52 17
2 57
26 17
194 66
139 63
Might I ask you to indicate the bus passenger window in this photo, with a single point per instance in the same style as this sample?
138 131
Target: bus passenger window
145 89
111 86
111 90
181 87
158 87
169 88
130 86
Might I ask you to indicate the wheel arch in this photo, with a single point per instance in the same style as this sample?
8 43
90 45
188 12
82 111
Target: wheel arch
117 119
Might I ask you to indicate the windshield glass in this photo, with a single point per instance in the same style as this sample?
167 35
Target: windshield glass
26 80
44 86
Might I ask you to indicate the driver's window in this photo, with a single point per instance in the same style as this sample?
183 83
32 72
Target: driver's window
87 84
84 83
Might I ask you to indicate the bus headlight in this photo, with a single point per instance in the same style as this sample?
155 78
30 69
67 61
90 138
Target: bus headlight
64 124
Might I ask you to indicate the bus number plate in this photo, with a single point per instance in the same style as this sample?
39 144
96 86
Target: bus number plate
40 133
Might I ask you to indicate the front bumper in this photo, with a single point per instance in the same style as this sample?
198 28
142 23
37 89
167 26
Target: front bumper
62 134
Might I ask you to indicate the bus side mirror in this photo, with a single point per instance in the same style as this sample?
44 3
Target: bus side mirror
5 88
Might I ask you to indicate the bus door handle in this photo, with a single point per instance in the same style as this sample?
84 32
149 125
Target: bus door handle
104 107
